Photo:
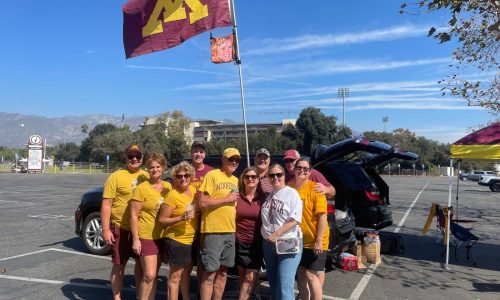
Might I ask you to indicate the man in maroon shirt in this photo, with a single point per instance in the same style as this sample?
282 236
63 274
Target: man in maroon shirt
322 185
262 161
197 156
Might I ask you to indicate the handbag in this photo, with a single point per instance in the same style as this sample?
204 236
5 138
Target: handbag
287 245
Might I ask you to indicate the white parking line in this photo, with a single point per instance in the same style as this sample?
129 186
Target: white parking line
59 282
371 270
23 203
25 254
79 284
48 216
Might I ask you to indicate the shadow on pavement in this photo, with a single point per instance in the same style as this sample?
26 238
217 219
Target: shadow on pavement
79 288
422 266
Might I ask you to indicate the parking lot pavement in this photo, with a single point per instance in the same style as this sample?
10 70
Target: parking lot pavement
41 258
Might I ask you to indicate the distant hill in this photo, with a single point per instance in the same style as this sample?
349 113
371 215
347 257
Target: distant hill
15 129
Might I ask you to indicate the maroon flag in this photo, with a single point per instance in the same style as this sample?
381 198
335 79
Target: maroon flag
222 49
154 25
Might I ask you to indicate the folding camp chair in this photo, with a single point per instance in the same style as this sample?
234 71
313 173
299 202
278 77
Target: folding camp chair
463 236
460 235
441 223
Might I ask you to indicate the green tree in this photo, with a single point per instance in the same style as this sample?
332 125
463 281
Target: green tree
66 152
87 143
84 128
177 126
315 128
112 143
476 26
292 134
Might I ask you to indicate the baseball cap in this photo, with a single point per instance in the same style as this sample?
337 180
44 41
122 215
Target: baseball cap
230 152
291 154
197 144
263 151
134 148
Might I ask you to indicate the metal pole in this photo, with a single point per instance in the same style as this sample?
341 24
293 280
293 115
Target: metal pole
450 177
458 182
238 62
343 92
343 108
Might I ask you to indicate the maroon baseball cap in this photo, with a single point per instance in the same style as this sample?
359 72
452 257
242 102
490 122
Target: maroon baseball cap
134 148
291 154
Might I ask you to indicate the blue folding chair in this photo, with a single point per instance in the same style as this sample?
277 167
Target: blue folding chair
463 236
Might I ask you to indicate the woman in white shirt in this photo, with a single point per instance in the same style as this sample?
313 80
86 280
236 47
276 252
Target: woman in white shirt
281 217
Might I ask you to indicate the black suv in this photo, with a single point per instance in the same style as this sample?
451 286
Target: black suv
349 165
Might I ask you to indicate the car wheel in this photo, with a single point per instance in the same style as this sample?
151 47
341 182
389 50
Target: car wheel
495 186
92 235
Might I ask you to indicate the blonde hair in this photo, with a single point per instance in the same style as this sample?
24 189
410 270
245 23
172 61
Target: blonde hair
182 166
159 158
277 166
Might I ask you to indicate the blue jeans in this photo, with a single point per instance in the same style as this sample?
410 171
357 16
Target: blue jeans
281 270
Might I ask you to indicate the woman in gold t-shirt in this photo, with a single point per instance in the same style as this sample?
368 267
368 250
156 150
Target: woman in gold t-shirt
311 271
146 232
177 216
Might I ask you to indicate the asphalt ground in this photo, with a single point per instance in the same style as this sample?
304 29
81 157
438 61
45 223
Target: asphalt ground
41 257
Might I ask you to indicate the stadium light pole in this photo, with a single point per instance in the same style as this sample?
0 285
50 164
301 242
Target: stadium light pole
385 120
343 93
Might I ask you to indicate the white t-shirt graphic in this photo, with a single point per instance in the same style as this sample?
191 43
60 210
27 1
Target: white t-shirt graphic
281 206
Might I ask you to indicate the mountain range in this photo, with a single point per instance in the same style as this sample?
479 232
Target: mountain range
15 128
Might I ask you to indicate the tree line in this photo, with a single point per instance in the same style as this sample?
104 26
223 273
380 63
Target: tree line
167 135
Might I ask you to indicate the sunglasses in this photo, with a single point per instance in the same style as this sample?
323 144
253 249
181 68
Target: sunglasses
182 176
302 169
272 175
234 160
136 156
289 161
252 177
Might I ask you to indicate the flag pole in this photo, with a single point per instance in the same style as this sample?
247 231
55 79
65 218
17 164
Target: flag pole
238 63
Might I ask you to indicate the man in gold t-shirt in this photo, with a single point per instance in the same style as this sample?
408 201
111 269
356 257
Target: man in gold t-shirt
217 198
115 215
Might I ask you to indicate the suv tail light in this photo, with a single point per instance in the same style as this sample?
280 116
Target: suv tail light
330 207
373 195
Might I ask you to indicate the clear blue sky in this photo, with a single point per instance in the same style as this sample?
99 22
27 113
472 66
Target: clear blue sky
62 58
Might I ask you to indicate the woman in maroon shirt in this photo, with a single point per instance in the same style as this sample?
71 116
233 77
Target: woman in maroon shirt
249 254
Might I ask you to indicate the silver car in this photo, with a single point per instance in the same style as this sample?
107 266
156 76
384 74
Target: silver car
476 175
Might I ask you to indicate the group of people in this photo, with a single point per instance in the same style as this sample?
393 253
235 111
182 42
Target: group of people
209 218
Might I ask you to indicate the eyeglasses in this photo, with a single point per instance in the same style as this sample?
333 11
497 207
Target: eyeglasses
182 176
302 169
136 156
289 161
272 175
252 177
234 160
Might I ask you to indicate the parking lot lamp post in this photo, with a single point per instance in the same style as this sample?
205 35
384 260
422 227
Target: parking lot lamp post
343 93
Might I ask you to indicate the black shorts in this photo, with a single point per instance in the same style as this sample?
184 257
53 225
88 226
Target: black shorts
313 262
175 253
249 256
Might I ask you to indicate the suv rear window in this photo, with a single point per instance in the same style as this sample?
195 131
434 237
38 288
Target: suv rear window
352 175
